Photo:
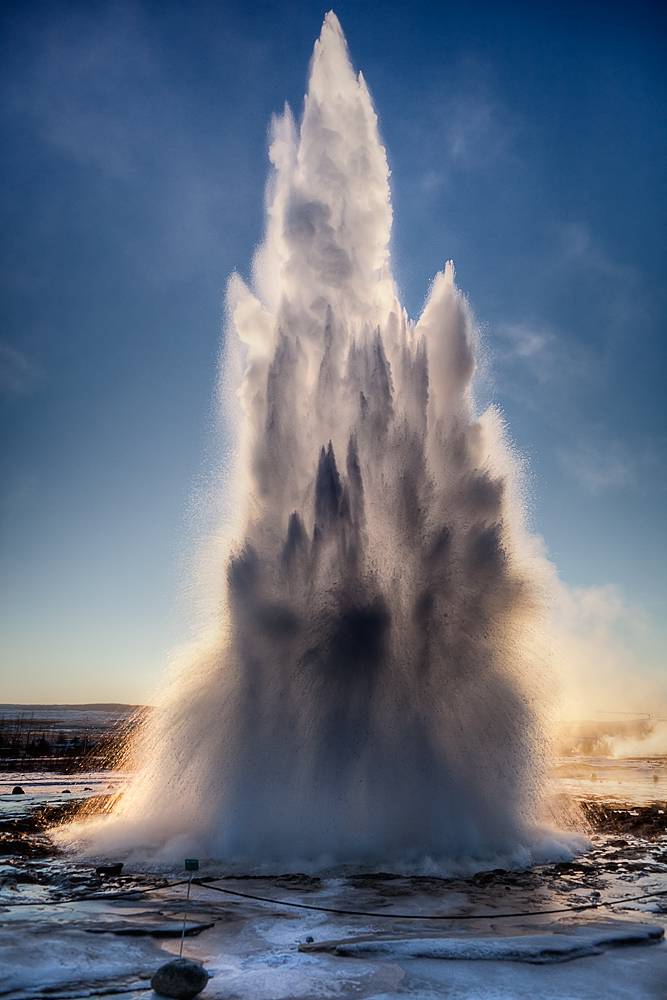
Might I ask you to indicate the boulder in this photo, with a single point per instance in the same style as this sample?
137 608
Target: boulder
180 979
17 790
108 871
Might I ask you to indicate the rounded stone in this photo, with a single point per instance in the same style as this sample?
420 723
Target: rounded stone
180 979
17 790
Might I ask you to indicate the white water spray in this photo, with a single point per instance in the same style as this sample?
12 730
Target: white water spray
371 695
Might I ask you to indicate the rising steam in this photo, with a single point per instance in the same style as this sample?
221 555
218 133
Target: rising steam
372 692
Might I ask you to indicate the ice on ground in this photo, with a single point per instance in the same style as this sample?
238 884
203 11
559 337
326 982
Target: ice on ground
40 961
252 953
252 949
561 945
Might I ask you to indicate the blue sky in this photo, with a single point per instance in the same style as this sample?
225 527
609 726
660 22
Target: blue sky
527 142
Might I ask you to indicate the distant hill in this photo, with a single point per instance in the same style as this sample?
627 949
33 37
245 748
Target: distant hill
110 706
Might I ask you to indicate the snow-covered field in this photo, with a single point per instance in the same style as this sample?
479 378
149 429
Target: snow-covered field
269 951
252 951
613 779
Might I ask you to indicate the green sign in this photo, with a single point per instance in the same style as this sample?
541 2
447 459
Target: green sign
192 864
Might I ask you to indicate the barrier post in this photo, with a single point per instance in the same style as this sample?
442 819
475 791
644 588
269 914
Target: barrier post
191 865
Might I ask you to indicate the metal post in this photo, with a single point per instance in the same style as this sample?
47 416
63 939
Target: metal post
191 865
185 916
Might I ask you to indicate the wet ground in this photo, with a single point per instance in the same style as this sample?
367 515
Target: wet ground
491 941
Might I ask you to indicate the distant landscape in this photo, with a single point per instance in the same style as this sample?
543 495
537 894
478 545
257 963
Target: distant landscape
90 736
65 737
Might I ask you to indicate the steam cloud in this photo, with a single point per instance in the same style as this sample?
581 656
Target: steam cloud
371 693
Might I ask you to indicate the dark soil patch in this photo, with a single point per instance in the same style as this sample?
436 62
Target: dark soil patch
28 836
648 822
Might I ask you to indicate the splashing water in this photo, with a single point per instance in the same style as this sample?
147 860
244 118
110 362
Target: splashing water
371 693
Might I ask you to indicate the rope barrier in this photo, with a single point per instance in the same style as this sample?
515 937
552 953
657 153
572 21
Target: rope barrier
208 884
437 916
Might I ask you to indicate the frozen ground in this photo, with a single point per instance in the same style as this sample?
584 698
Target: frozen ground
45 788
253 949
265 951
639 780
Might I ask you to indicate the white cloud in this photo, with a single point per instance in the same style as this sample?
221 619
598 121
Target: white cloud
528 342
88 90
614 284
599 468
432 181
530 358
470 128
600 464
579 245
532 345
478 130
96 93
18 373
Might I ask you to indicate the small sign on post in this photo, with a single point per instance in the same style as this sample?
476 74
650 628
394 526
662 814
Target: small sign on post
191 865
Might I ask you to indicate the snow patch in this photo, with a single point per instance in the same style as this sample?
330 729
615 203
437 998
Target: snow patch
554 946
40 963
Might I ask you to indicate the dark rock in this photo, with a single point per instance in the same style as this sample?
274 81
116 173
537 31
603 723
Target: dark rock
17 790
180 979
65 791
25 845
107 871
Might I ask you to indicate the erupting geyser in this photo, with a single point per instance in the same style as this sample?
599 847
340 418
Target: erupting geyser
371 694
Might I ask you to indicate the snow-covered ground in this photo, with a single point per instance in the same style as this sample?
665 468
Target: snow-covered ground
253 953
613 779
268 951
47 788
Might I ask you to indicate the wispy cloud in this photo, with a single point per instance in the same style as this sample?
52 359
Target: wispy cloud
530 359
470 127
578 261
89 90
478 130
470 133
579 245
599 469
600 464
94 90
611 281
18 374
531 345
432 181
